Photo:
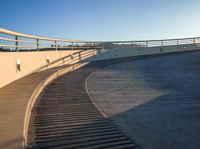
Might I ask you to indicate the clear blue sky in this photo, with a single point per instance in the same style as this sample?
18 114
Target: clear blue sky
103 19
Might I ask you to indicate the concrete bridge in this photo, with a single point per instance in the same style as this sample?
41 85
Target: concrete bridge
48 101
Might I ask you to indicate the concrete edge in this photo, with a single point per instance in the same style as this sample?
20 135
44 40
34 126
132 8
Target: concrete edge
87 91
38 91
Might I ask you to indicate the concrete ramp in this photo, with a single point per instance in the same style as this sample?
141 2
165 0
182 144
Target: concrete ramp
155 101
65 117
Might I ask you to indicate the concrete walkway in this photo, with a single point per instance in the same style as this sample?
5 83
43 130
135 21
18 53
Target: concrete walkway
65 118
156 101
14 100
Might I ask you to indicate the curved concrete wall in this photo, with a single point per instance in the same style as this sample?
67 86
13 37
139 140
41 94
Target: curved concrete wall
37 61
105 54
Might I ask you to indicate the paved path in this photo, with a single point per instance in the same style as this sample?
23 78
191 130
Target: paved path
65 117
14 99
156 101
13 102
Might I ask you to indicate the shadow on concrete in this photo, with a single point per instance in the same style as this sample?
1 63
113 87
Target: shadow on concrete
69 59
163 123
155 101
65 117
162 114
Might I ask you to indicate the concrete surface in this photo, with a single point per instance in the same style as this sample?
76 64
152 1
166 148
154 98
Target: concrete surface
105 54
16 101
37 60
155 101
34 61
64 117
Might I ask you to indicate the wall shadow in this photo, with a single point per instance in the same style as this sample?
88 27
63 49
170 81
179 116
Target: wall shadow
69 59
159 109
65 117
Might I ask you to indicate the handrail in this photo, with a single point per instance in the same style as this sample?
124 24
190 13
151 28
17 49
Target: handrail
8 32
150 43
37 42
147 40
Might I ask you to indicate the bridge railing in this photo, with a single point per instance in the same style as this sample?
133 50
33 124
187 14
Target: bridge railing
13 41
150 43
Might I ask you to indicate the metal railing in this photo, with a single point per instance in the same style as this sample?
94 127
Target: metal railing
149 43
13 41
